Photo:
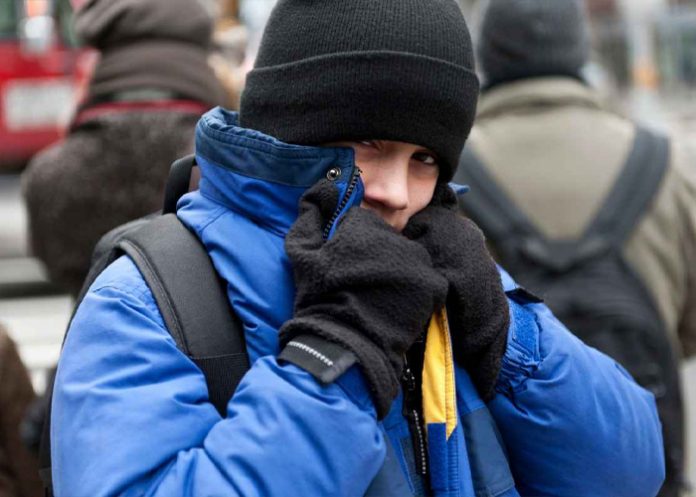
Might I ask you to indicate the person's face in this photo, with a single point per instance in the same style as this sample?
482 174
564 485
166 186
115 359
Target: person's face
399 178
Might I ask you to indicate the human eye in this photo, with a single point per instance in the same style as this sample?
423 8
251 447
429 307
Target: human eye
427 158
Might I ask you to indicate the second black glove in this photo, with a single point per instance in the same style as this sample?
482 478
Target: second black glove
477 307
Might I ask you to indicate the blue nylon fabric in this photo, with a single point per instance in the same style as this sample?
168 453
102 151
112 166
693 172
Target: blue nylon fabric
437 440
492 476
391 480
131 416
486 451
398 437
551 386
221 141
509 493
452 473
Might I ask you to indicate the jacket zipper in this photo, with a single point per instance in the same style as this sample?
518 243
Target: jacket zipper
411 412
349 191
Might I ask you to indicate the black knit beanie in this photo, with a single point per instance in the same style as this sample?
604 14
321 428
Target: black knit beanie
331 70
531 38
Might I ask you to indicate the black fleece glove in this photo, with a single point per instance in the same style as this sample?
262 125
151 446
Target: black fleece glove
477 307
368 290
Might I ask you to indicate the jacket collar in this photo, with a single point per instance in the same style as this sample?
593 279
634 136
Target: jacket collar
537 92
257 175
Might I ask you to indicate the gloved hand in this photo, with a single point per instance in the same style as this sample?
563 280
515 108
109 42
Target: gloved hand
368 290
477 307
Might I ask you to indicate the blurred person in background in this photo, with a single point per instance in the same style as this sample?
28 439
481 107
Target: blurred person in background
250 17
151 84
231 46
554 152
254 14
325 208
19 470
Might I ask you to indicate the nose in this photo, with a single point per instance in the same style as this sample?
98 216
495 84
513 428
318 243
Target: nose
386 188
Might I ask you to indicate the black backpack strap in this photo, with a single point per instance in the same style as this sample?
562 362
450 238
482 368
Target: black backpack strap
193 302
633 191
489 206
178 182
188 291
512 232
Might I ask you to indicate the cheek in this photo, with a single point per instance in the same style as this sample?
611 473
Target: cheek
369 166
421 192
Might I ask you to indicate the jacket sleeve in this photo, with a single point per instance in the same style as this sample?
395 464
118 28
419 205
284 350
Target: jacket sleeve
131 416
574 422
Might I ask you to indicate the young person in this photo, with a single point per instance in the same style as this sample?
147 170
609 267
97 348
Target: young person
356 112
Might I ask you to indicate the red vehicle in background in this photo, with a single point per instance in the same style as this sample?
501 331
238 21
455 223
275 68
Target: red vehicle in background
41 72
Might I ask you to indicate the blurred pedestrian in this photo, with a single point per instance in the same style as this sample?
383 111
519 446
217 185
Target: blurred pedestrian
572 194
254 14
149 88
19 470
325 209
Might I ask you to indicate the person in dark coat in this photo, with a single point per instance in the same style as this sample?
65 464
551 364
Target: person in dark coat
149 88
549 139
19 470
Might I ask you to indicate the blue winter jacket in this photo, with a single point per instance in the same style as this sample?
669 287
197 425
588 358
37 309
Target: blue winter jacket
131 415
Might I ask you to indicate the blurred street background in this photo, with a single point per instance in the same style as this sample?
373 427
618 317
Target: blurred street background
644 63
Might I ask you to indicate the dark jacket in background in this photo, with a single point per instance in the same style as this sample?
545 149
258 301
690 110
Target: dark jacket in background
109 170
557 150
149 88
19 470
150 44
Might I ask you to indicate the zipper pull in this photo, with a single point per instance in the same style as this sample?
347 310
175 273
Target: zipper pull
408 379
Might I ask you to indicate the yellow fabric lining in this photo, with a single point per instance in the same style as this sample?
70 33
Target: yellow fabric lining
439 391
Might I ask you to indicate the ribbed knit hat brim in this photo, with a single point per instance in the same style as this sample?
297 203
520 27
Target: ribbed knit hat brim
329 98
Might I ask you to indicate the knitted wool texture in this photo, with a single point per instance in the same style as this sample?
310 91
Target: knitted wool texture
522 39
109 170
477 307
331 70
